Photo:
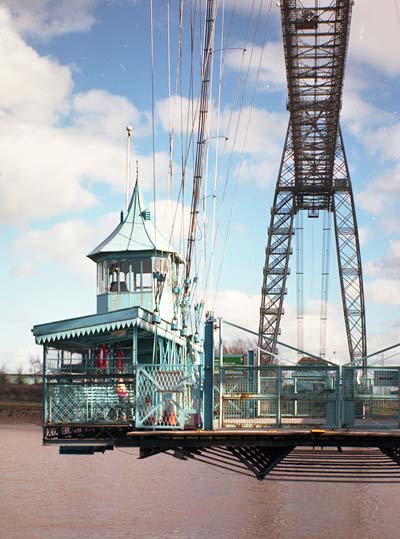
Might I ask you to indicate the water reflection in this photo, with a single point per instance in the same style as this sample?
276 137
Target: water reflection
309 495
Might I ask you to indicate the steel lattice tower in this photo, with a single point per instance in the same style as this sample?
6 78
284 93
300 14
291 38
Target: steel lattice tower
313 174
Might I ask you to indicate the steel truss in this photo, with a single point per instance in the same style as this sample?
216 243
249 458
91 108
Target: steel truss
313 174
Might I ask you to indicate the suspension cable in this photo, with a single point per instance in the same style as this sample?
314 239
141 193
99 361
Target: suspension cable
397 10
233 103
299 237
202 127
247 127
153 119
326 237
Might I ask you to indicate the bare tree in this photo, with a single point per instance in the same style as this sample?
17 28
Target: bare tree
36 367
239 346
20 376
3 374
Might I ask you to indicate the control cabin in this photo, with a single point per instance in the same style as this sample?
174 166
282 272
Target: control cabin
127 366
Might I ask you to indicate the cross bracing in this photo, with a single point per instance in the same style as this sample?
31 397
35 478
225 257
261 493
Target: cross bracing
313 174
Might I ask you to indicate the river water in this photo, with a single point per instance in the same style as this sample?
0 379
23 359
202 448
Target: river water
45 495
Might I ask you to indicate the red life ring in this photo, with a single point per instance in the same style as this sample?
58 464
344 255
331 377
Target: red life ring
120 362
102 356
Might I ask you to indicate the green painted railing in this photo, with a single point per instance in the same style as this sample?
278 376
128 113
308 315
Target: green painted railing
170 397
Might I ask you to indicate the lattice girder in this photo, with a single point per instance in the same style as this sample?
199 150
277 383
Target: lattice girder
315 42
349 257
313 174
277 254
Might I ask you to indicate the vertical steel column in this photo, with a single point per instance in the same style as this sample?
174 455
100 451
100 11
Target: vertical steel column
208 387
278 396
221 369
250 357
349 257
278 250
44 381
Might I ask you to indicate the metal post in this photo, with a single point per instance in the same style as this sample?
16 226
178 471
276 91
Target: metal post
250 358
221 370
44 416
135 366
208 390
278 396
338 398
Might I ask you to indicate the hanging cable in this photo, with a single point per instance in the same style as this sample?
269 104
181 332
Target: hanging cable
326 236
202 129
229 123
397 10
153 116
214 195
299 237
247 126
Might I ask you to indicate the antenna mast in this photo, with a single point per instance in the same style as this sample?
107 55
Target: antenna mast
201 133
128 165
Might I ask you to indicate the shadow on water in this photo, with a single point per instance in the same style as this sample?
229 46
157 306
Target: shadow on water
329 465
322 465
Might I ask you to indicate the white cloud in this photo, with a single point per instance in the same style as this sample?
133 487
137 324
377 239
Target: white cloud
263 136
44 19
262 173
374 35
56 144
99 113
270 63
172 221
178 114
27 78
243 309
66 243
364 234
22 269
381 195
388 265
385 140
362 116
385 291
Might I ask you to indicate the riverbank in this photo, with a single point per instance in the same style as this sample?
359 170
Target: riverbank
15 412
20 403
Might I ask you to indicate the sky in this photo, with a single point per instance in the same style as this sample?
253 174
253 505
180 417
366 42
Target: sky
77 72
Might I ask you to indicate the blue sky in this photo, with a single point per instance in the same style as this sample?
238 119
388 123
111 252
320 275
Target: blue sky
75 73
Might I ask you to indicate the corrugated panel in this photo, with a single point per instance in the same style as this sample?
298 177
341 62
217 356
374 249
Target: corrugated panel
79 332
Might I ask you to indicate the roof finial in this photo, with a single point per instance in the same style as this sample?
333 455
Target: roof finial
137 171
128 165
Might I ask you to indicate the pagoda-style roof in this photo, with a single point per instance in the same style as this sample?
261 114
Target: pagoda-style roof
94 325
135 233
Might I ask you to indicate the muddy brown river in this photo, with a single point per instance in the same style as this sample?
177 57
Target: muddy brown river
310 495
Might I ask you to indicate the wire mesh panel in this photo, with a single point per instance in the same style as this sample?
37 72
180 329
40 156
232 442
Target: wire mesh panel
300 396
107 400
168 397
371 397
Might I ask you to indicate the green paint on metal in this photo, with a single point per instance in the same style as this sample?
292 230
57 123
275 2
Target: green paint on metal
136 233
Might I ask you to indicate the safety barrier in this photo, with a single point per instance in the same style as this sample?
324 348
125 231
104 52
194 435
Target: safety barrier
281 396
89 400
371 397
168 397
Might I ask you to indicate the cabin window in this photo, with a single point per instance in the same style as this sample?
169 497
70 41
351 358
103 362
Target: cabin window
118 276
147 275
102 285
142 271
123 276
126 275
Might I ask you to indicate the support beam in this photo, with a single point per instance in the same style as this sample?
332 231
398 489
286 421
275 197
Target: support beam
146 452
260 460
208 389
392 452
